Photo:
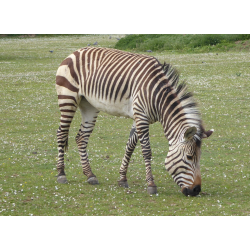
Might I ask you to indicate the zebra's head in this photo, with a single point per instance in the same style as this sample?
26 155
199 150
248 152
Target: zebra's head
183 160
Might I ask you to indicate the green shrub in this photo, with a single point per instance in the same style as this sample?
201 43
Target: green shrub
177 42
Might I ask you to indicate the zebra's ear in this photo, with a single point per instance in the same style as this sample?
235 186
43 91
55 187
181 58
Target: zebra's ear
206 134
190 132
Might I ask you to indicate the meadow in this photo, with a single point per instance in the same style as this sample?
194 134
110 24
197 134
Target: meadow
30 118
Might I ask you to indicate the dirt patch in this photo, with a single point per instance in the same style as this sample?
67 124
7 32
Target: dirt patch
242 45
238 42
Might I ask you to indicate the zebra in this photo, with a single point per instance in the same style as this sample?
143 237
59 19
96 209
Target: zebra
138 87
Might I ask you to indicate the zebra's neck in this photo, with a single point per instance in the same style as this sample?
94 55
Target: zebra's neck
177 112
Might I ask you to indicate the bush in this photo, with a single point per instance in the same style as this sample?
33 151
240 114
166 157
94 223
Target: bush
175 42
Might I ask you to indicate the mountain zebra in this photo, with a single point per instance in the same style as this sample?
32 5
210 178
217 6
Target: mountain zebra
135 86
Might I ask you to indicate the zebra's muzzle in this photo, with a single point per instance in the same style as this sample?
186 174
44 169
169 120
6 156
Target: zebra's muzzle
192 192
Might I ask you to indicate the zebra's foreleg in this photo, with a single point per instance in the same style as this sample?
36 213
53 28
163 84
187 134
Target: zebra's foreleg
89 115
131 144
143 134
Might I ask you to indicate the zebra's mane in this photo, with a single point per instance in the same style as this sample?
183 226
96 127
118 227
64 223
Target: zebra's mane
185 97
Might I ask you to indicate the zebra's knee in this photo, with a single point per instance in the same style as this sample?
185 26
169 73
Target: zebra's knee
147 155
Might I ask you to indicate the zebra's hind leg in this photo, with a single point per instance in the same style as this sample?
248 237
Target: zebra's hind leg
89 115
131 144
62 140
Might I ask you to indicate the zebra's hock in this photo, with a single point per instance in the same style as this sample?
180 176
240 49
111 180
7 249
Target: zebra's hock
66 145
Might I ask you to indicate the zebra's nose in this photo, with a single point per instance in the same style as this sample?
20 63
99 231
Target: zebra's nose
196 190
192 192
185 191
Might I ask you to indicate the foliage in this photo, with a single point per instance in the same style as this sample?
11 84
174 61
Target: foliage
186 43
30 118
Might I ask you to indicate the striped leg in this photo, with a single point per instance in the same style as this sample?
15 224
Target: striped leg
142 127
132 141
62 138
89 115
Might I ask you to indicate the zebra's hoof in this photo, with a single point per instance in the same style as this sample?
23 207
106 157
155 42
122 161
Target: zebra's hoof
122 183
62 179
152 190
93 181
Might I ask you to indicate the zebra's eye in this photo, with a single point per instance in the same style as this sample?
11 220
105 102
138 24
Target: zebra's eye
190 157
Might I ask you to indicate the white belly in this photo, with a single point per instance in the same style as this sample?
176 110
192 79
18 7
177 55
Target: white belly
123 108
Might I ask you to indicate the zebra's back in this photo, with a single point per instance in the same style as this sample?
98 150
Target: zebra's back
109 79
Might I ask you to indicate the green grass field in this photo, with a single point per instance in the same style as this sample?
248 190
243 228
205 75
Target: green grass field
30 118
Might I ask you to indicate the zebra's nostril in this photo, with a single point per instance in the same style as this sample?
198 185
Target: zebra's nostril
197 189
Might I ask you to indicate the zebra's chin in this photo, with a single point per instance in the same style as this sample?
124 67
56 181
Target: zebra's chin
192 192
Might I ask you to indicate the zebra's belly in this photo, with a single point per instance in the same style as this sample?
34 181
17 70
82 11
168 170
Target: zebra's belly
123 108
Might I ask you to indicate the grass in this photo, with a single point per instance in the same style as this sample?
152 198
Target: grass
30 118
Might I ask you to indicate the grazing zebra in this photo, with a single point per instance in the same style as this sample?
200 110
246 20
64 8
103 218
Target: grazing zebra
135 86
